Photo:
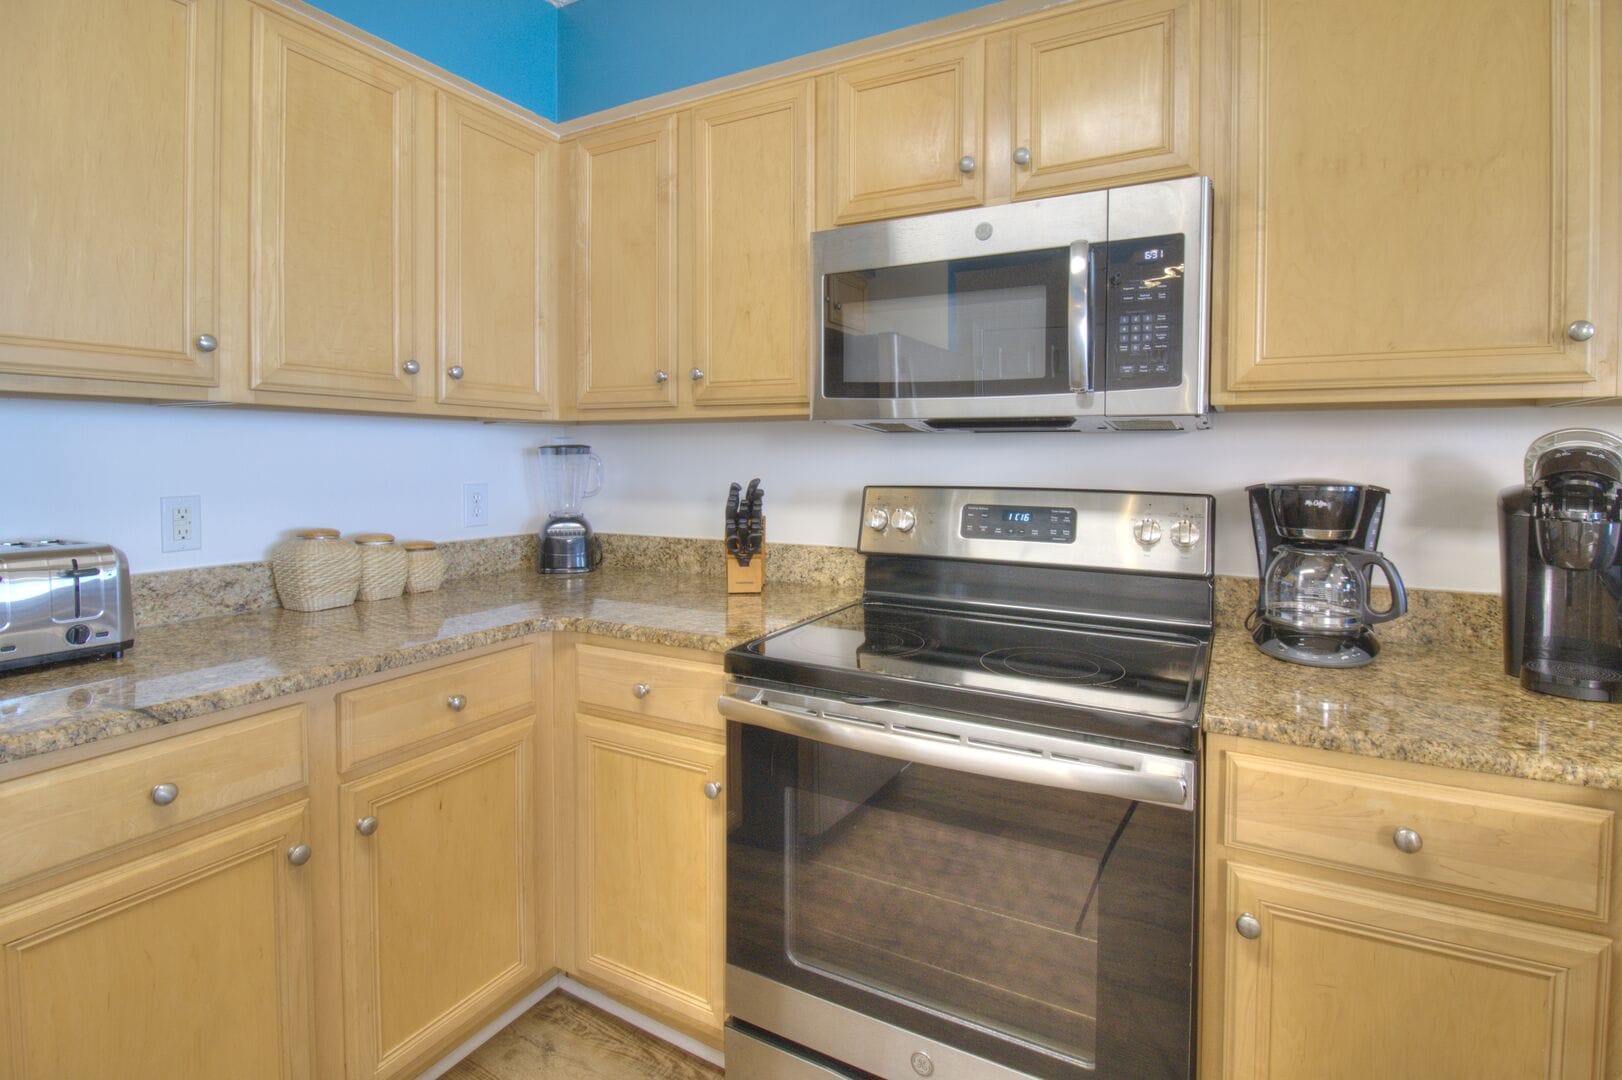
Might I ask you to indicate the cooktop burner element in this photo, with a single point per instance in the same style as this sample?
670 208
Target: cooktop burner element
1052 664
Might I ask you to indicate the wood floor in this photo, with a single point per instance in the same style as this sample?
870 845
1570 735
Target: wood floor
565 1039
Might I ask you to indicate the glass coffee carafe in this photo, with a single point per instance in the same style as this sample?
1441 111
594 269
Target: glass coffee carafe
1324 589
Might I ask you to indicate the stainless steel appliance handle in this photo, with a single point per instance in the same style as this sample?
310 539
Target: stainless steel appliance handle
1124 777
1081 360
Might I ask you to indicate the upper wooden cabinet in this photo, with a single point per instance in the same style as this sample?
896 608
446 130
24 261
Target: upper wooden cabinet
625 266
109 240
333 216
1409 219
496 259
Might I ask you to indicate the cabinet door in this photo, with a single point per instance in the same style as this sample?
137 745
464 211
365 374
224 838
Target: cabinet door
650 850
1409 221
333 216
108 238
907 134
495 258
1105 95
625 262
748 229
193 962
1345 984
439 900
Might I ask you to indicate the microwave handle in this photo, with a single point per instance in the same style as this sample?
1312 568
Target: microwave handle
1081 358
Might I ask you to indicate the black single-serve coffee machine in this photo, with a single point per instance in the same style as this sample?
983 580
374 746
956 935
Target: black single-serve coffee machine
1315 553
1562 578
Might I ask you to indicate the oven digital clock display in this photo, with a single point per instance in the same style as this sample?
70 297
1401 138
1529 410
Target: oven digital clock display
1028 524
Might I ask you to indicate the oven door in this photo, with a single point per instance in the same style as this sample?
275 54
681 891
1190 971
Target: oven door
897 889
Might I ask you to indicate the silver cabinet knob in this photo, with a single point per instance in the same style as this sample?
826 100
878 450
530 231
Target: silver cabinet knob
1407 840
1022 156
661 376
641 690
696 374
206 343
1249 927
712 790
456 371
164 794
456 702
965 164
298 854
366 826
1581 330
411 367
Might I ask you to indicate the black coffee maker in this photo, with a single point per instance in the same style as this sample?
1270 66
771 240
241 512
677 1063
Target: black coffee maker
1562 578
1315 556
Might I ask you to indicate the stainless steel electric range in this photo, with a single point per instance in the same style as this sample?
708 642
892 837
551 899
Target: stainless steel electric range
961 838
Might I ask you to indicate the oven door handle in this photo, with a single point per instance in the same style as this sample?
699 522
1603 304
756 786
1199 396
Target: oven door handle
1129 776
1081 359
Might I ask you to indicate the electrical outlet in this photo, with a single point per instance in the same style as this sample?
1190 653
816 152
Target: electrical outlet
181 520
475 505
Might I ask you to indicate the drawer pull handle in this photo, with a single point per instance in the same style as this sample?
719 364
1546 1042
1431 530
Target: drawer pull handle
298 854
1249 927
457 702
641 690
366 826
712 790
1407 840
1581 330
164 794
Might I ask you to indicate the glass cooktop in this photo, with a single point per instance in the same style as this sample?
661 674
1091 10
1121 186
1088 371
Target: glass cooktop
1137 684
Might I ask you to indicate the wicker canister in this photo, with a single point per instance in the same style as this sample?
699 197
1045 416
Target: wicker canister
425 566
315 570
382 566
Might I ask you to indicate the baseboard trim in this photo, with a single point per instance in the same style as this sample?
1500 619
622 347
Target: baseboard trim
486 1033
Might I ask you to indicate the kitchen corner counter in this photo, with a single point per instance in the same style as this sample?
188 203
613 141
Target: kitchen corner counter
1434 704
188 669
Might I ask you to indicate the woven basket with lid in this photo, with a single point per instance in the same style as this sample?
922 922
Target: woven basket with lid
382 566
315 570
425 566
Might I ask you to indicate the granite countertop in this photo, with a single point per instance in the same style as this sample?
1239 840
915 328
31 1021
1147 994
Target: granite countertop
186 669
1436 703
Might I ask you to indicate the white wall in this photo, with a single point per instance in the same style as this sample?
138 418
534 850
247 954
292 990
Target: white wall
1444 468
96 471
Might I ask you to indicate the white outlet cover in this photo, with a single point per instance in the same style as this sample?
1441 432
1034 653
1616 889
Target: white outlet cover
180 522
475 505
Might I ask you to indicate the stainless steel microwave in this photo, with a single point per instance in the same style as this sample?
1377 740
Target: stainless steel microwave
1084 312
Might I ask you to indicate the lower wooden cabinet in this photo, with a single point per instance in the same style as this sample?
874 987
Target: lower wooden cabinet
194 962
650 867
438 896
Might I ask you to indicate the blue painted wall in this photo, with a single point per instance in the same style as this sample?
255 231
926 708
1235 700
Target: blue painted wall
509 47
615 51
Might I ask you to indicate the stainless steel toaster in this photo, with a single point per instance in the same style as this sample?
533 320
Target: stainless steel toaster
62 600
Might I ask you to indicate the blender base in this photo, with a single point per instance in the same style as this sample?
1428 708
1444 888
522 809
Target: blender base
1316 650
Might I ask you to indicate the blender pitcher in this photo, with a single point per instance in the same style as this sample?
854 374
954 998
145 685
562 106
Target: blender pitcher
570 474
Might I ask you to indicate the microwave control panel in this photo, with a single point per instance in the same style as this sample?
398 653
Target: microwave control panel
1143 313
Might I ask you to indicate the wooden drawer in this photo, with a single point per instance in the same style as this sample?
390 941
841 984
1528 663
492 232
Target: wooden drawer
680 691
1526 851
409 710
63 815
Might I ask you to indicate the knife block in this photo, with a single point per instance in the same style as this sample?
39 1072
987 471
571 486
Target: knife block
751 578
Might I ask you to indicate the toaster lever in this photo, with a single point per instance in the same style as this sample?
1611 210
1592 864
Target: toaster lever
81 572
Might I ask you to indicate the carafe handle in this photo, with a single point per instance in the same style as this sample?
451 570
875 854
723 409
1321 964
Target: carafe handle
1365 562
596 477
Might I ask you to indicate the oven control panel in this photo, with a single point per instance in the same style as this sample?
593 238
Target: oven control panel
1143 531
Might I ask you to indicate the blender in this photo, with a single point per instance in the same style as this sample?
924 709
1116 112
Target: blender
570 474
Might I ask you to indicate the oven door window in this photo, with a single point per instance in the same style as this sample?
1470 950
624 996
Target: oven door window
982 327
1044 929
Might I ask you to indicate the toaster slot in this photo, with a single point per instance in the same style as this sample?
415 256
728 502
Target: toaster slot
76 591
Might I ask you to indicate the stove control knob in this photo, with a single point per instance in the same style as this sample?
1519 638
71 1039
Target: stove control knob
1185 534
904 520
1147 532
878 519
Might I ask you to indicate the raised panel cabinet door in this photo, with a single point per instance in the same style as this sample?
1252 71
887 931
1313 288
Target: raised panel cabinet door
1341 983
748 192
495 258
332 216
438 897
108 209
625 266
1105 95
192 962
908 134
650 868
1409 220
